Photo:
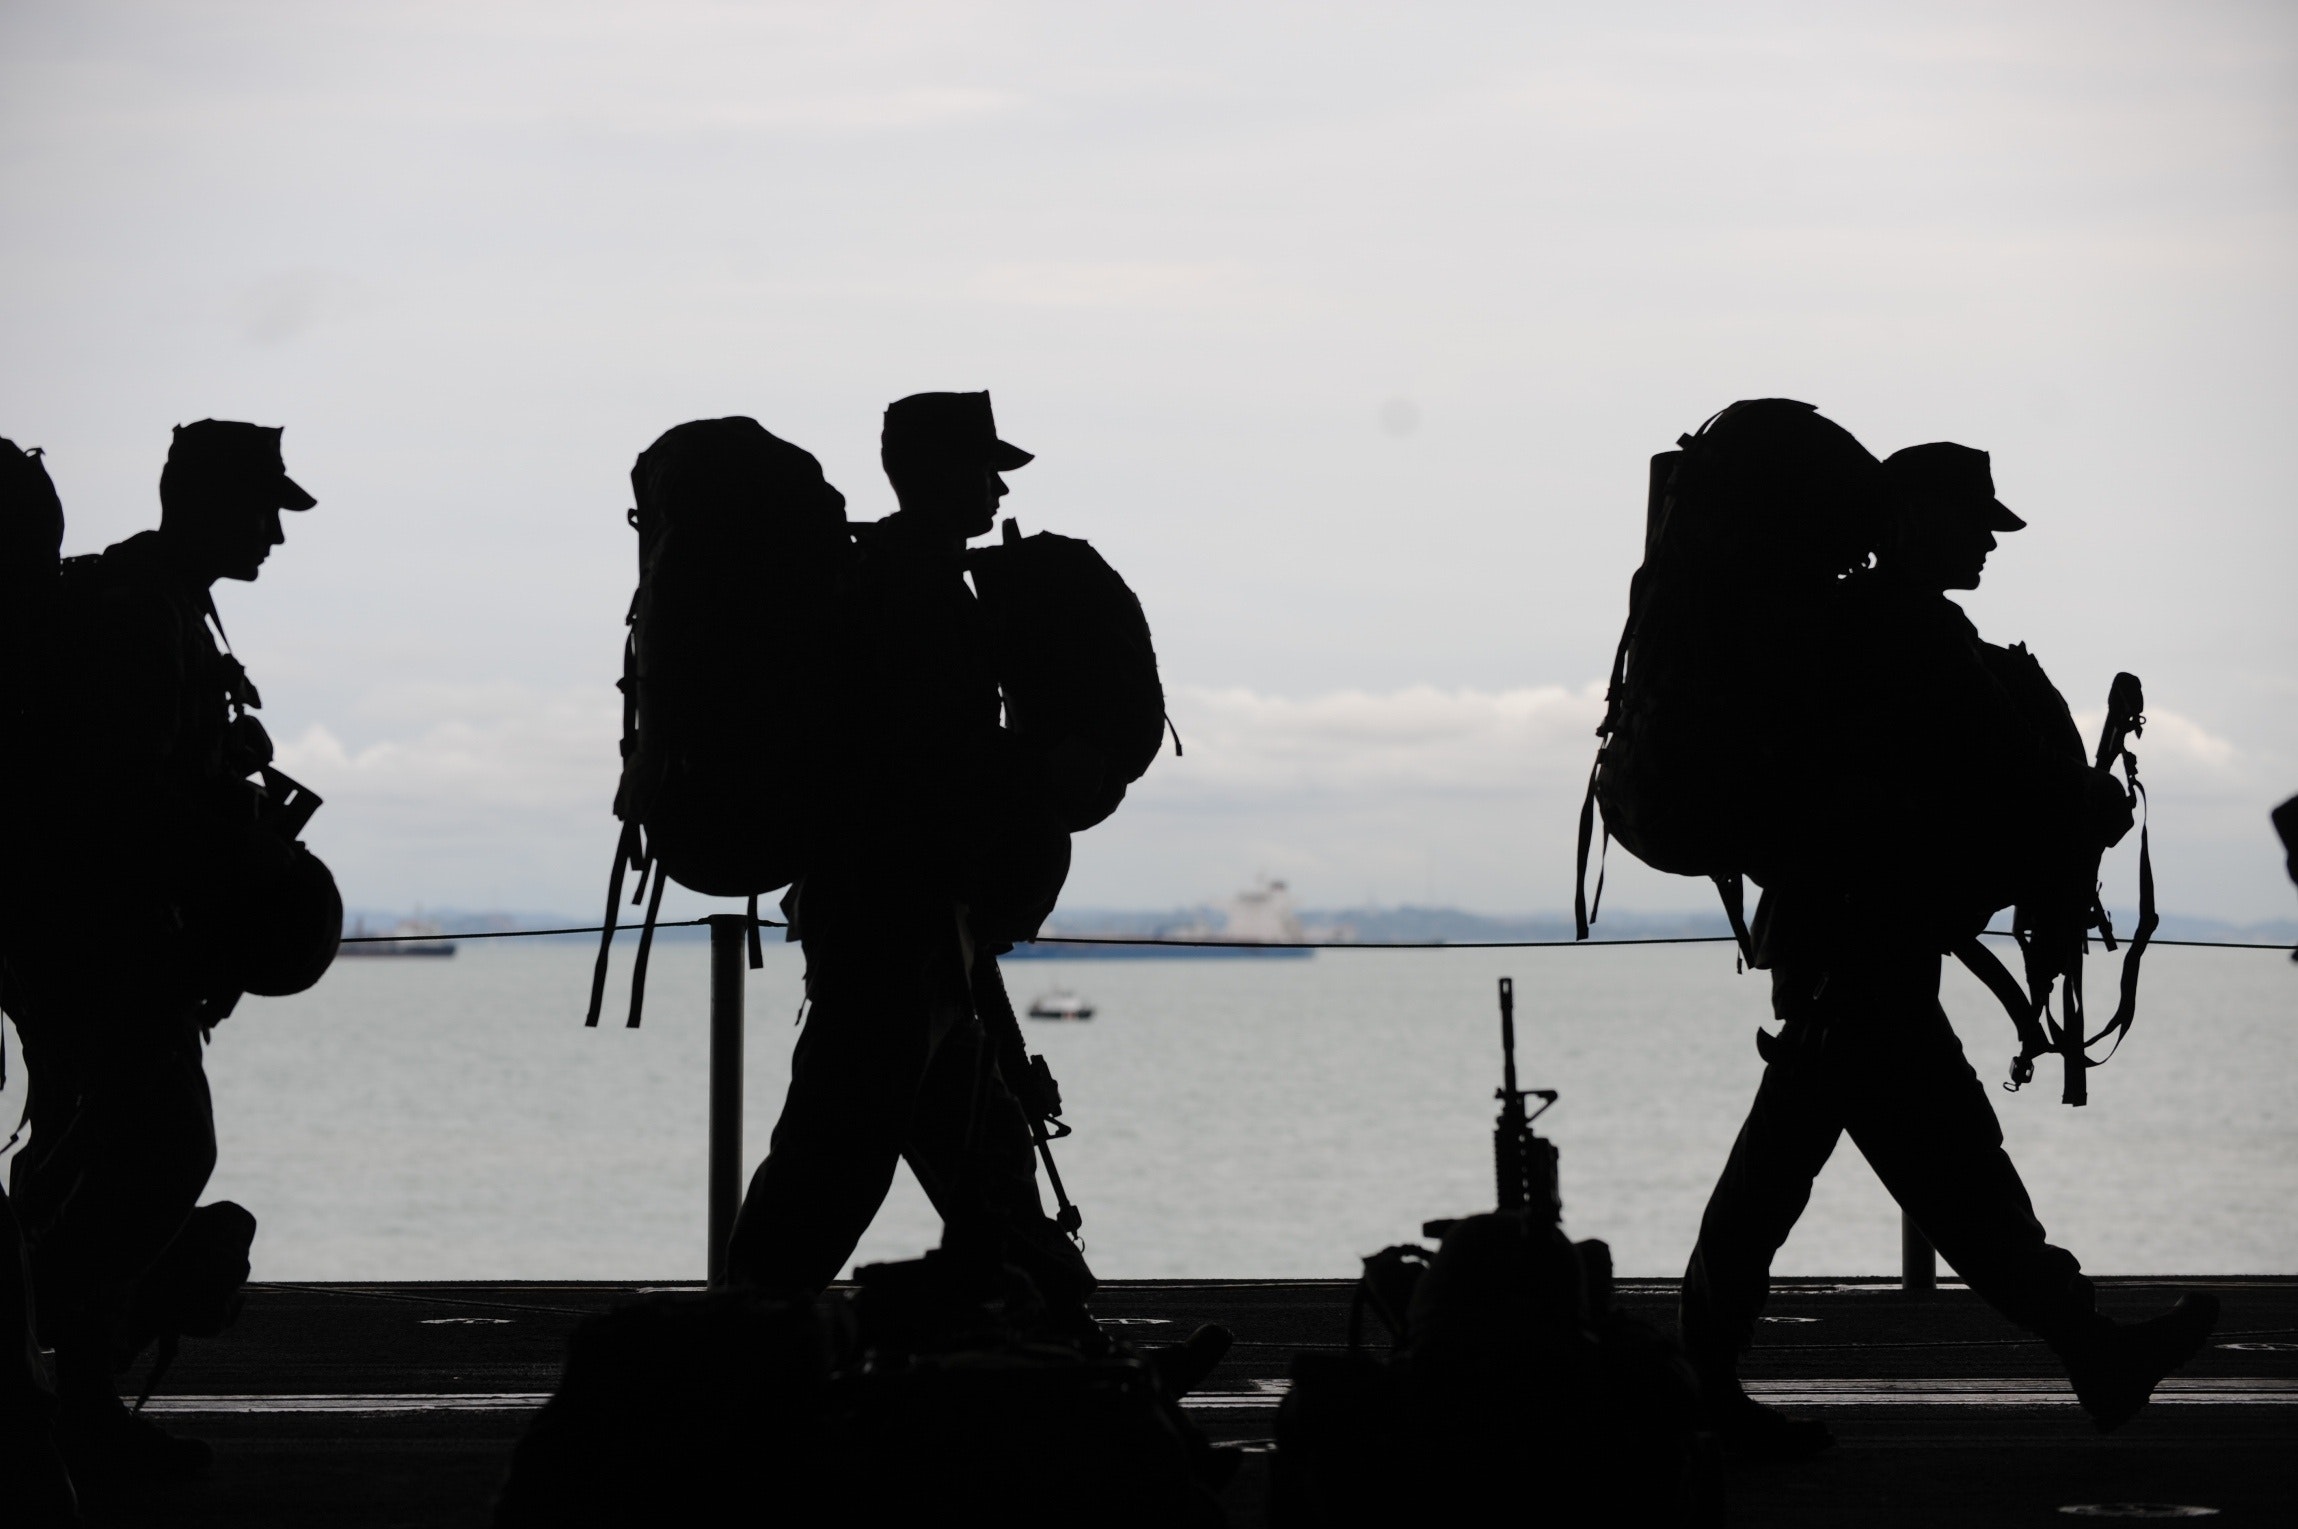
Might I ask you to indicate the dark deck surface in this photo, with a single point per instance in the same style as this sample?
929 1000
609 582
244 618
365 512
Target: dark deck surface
398 1403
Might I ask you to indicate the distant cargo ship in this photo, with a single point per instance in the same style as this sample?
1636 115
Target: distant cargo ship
409 937
1258 924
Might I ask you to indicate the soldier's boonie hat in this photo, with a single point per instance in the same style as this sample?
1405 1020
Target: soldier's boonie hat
230 452
1958 474
947 426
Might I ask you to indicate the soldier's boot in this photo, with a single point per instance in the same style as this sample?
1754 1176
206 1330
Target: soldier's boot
2117 1366
1182 1367
102 1440
39 1486
1747 1427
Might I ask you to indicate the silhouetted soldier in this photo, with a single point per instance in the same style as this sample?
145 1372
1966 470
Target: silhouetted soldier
1960 792
928 816
116 980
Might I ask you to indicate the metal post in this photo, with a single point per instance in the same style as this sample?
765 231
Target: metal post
1918 1260
729 938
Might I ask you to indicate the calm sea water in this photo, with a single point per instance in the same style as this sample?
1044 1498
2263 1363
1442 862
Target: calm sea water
453 1119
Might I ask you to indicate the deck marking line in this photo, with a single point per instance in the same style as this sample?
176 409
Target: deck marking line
1990 1391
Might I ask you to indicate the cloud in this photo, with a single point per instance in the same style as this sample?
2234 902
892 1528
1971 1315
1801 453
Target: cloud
499 795
2177 745
489 750
500 798
1420 740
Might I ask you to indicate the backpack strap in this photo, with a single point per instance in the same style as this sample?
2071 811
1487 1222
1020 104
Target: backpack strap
1733 890
645 936
1983 964
1584 910
2126 1005
625 855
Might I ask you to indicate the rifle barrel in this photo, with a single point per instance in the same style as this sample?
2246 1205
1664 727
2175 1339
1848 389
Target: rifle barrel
1508 1039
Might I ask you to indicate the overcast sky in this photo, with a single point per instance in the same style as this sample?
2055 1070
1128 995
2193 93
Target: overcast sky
1344 330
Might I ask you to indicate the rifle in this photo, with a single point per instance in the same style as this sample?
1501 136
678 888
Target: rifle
1029 1077
1523 1161
2053 942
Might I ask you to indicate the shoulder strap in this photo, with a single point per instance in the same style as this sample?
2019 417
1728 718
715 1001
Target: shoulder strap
2025 1012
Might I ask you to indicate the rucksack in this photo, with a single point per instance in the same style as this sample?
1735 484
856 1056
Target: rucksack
742 550
31 535
1704 766
1073 658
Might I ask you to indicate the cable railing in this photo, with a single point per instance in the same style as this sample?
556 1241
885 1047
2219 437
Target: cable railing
1214 942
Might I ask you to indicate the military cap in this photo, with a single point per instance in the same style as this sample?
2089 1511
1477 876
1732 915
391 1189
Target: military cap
1958 474
947 426
230 452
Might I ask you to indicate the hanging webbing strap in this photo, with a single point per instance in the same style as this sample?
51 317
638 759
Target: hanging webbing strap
645 937
2126 1005
1733 890
1983 964
1584 910
625 854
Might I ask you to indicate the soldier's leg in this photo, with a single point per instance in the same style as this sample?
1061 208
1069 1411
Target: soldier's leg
33 1471
971 1149
122 1143
1925 1123
1791 1130
854 1081
130 1144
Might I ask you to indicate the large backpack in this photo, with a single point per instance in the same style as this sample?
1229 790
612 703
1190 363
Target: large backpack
1073 658
31 534
1706 765
742 551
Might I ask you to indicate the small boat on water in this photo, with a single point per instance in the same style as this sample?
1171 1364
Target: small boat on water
1061 1003
409 937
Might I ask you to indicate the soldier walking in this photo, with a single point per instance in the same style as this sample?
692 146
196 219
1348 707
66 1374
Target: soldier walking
113 979
1982 809
934 843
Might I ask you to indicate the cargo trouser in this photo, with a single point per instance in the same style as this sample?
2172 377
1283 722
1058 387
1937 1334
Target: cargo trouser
122 1135
1867 1050
893 1065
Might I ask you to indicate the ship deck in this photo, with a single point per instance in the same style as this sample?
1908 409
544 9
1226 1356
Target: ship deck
397 1404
